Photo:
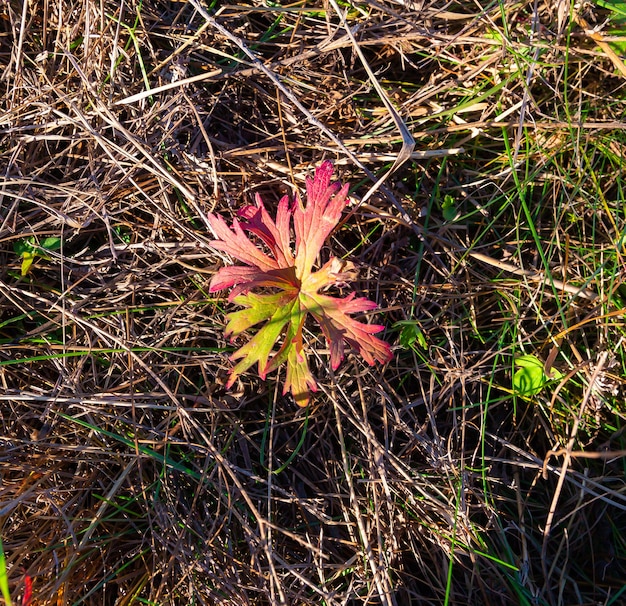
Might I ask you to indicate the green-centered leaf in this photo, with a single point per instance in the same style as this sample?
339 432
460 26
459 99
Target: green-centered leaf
280 288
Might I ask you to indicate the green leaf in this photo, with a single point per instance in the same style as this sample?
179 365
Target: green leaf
27 260
530 378
411 335
22 246
257 309
28 249
448 208
51 243
259 347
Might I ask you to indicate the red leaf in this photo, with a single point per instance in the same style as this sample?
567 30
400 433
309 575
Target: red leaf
28 591
280 288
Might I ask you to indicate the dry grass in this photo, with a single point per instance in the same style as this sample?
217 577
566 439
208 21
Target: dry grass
129 475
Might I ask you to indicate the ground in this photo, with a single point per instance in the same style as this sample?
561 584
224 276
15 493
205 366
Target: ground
484 144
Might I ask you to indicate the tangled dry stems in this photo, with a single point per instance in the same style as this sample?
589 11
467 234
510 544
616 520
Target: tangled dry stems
129 473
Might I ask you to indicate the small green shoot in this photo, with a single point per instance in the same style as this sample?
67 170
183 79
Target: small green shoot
29 250
411 335
449 208
4 583
4 578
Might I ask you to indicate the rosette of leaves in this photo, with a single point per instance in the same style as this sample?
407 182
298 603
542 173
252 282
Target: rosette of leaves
277 286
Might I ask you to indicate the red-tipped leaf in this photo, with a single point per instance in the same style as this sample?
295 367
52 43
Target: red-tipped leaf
277 286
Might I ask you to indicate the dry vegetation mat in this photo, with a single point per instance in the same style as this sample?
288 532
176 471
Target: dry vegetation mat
478 460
